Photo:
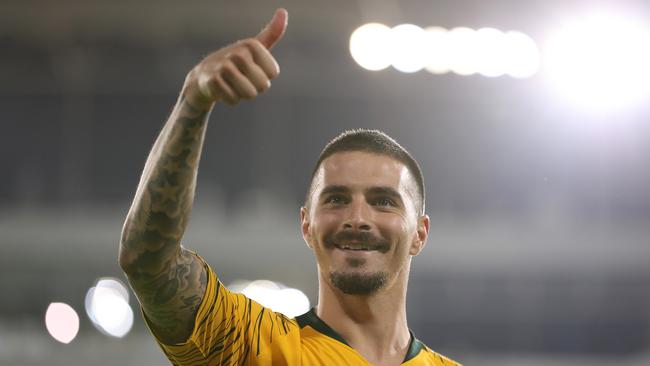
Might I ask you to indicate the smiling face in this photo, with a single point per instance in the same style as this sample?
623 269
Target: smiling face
361 221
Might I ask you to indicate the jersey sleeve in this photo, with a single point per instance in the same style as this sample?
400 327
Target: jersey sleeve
231 329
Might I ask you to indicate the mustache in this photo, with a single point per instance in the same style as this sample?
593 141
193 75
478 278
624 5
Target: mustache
374 242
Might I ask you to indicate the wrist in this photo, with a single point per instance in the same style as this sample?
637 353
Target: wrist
192 96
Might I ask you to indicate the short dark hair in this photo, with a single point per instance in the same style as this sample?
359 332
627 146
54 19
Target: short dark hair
377 142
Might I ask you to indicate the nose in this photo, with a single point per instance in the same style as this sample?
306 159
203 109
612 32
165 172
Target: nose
358 216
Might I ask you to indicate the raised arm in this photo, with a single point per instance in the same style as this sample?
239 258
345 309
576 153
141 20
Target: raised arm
169 280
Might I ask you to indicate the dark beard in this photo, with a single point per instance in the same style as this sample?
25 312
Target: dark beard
358 284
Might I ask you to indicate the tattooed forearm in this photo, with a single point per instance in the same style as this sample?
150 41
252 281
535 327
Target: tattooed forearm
168 280
159 214
172 297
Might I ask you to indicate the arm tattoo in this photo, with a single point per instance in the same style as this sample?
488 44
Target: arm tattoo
168 280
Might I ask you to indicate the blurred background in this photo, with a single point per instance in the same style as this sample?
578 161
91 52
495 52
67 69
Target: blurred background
535 151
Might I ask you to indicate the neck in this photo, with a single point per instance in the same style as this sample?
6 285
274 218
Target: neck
373 325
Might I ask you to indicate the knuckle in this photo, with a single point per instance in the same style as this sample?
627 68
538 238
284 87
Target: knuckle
222 88
251 43
215 82
228 68
240 56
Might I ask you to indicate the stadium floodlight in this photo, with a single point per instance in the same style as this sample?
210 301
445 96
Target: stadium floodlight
600 61
409 52
492 52
463 51
371 46
437 47
521 54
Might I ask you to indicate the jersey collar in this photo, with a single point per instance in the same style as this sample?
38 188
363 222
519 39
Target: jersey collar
310 318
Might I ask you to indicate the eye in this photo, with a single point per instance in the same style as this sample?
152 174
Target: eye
383 201
335 200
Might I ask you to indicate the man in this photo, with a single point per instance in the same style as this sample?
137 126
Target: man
363 217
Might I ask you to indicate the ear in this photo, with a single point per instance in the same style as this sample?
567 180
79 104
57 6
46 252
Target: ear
420 239
304 226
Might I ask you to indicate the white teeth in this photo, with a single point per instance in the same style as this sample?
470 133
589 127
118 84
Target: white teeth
350 248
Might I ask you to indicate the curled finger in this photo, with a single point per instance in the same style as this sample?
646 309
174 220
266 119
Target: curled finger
219 89
239 83
263 58
255 75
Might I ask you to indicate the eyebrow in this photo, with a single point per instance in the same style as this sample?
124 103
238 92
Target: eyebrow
334 189
385 191
380 190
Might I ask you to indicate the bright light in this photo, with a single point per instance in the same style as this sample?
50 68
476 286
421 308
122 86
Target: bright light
62 322
371 46
238 285
521 55
463 48
115 285
601 61
107 306
275 296
492 52
262 291
409 53
437 47
292 302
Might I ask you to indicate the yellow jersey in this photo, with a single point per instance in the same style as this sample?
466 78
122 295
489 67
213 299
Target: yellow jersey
231 329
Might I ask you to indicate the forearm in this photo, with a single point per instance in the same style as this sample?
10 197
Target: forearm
163 201
170 282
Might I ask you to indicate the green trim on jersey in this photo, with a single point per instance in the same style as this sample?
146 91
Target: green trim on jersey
310 318
415 348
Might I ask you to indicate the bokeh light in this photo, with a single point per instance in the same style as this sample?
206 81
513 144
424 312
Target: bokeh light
62 322
521 56
107 306
463 51
371 46
492 52
437 50
275 296
409 50
600 61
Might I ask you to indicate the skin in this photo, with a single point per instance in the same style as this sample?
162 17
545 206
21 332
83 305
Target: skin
169 280
375 324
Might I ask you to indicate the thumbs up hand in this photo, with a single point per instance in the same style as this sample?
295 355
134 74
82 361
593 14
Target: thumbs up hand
241 70
274 30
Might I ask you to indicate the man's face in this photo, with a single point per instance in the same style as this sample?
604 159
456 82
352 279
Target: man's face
362 221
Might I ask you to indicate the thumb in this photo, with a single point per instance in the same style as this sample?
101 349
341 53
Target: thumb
274 30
